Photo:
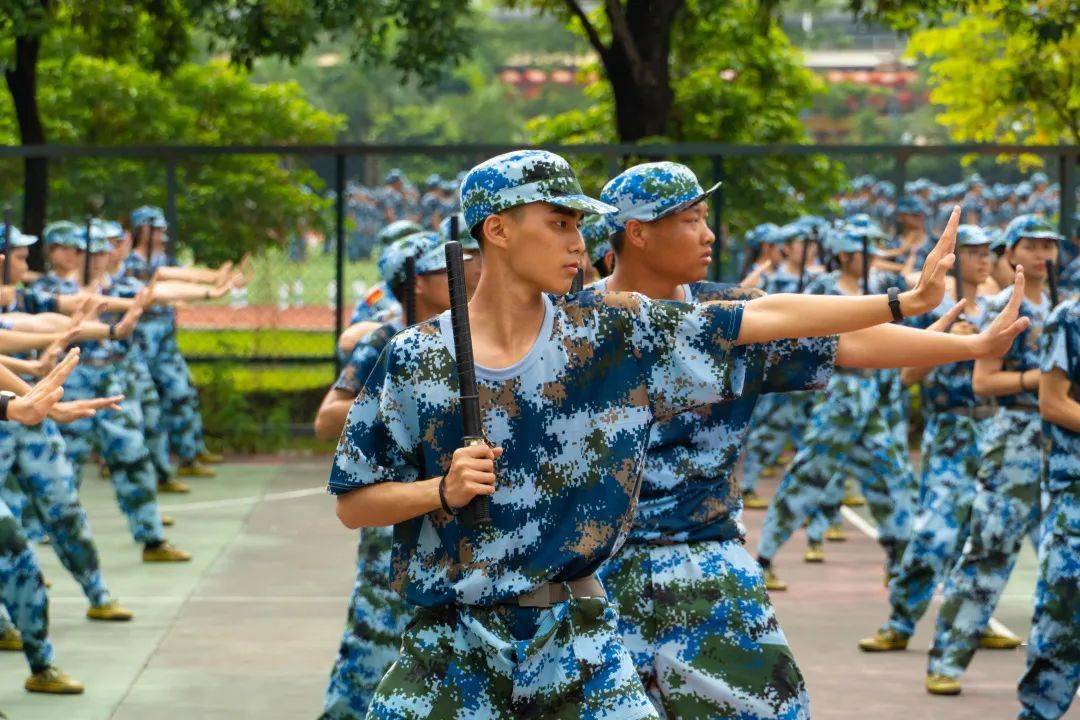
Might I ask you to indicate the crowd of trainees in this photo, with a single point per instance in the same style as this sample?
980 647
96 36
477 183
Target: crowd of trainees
612 580
99 325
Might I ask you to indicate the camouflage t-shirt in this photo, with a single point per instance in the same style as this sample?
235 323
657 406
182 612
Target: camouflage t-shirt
949 386
1024 353
573 416
99 350
364 357
688 492
377 300
1061 351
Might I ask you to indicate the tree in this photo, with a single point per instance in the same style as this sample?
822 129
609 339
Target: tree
1000 74
227 204
733 80
419 36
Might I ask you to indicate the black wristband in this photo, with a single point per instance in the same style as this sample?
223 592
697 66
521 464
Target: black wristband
4 400
442 499
894 303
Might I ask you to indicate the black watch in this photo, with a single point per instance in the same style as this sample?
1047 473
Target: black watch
5 398
894 304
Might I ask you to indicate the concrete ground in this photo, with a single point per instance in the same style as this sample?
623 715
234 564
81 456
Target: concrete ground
249 629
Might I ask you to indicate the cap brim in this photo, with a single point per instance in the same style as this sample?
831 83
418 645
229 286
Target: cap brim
584 203
691 202
24 241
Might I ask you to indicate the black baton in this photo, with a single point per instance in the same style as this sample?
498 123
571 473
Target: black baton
86 257
865 266
409 303
1051 278
478 511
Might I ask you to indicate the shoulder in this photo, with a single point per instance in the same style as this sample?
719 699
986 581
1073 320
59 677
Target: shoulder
996 303
1066 314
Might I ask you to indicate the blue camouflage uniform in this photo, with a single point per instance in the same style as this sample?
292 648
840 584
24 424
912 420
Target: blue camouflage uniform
573 416
380 300
950 461
852 431
1050 683
117 435
42 482
1006 504
779 418
24 604
377 616
693 611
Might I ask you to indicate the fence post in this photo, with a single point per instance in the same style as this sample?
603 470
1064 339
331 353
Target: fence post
1067 178
900 173
720 246
170 208
339 253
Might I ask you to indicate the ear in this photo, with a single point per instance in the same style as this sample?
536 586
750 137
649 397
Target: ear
496 230
634 234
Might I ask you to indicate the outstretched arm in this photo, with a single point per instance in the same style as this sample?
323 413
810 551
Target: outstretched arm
330 420
790 316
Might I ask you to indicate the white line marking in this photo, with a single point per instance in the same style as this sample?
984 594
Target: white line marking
868 529
231 502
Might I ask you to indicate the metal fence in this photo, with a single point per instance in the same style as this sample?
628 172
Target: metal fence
291 327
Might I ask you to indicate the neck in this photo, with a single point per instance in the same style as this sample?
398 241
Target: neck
505 311
633 276
425 310
1033 291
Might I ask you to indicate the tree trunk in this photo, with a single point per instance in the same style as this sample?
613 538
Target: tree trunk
22 84
638 66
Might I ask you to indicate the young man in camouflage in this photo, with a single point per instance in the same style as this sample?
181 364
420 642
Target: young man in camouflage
1050 683
1006 504
511 620
377 616
950 460
693 610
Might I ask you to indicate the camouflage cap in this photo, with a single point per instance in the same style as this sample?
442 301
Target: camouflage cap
110 228
149 215
597 233
996 237
63 233
395 231
908 205
971 236
1039 178
849 238
99 242
16 238
519 178
651 191
765 233
425 246
863 224
1029 226
468 242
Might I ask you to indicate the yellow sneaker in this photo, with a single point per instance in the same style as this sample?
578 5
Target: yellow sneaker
772 582
990 640
10 640
164 553
770 472
814 553
111 611
852 498
195 469
835 533
54 681
752 501
46 582
167 520
884 641
173 486
211 458
942 685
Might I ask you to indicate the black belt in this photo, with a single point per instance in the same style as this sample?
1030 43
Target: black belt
1021 408
552 593
975 413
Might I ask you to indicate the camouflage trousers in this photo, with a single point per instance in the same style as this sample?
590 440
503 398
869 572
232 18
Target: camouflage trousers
376 621
506 662
851 433
118 437
778 419
697 621
178 396
41 483
146 394
950 461
1053 661
21 508
22 592
1005 508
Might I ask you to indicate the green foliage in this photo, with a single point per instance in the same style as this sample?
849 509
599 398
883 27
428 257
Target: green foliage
226 204
736 79
1004 73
